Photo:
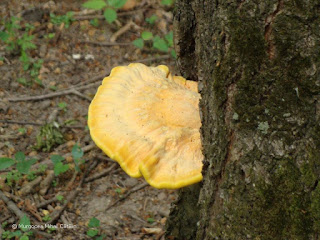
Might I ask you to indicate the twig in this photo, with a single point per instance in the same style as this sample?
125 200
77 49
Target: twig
89 17
55 94
71 182
106 44
121 31
19 122
93 79
75 92
132 190
30 186
47 202
7 121
101 174
46 183
105 158
11 205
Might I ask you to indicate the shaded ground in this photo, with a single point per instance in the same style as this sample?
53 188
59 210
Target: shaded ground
75 59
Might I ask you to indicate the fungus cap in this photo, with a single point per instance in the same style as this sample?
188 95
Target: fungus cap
148 121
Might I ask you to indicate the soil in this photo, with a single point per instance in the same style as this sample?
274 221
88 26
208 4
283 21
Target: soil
74 57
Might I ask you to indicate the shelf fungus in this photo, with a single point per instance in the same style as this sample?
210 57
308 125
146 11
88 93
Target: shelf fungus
148 121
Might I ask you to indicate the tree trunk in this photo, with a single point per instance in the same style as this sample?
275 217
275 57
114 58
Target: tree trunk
257 64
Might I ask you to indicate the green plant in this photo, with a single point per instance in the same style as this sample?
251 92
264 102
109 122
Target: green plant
167 2
150 220
93 224
162 44
77 154
46 218
60 198
31 175
10 33
22 165
24 225
48 137
21 44
50 35
63 106
22 131
59 167
109 7
54 183
94 22
13 177
151 20
58 19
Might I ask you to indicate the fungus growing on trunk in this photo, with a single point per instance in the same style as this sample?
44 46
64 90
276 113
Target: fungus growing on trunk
148 121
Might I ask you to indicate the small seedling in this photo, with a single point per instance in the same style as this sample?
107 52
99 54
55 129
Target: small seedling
66 19
22 131
151 20
59 167
77 154
93 224
48 137
50 36
162 44
22 165
46 218
150 220
60 198
139 43
31 175
94 22
13 177
63 106
167 2
109 6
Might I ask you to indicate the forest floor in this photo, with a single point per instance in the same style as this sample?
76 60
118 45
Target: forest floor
51 64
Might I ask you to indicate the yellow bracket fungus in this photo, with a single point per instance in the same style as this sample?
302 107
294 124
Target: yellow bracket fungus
148 121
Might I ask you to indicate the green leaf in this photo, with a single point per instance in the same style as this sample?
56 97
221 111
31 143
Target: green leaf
94 222
169 38
94 4
92 232
116 3
173 53
145 35
160 44
94 22
24 238
139 43
25 222
24 166
56 158
14 234
76 152
5 163
60 168
150 220
103 236
59 197
110 15
167 2
152 19
4 36
19 156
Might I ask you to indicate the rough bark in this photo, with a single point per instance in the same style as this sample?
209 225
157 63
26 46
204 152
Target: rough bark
257 63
